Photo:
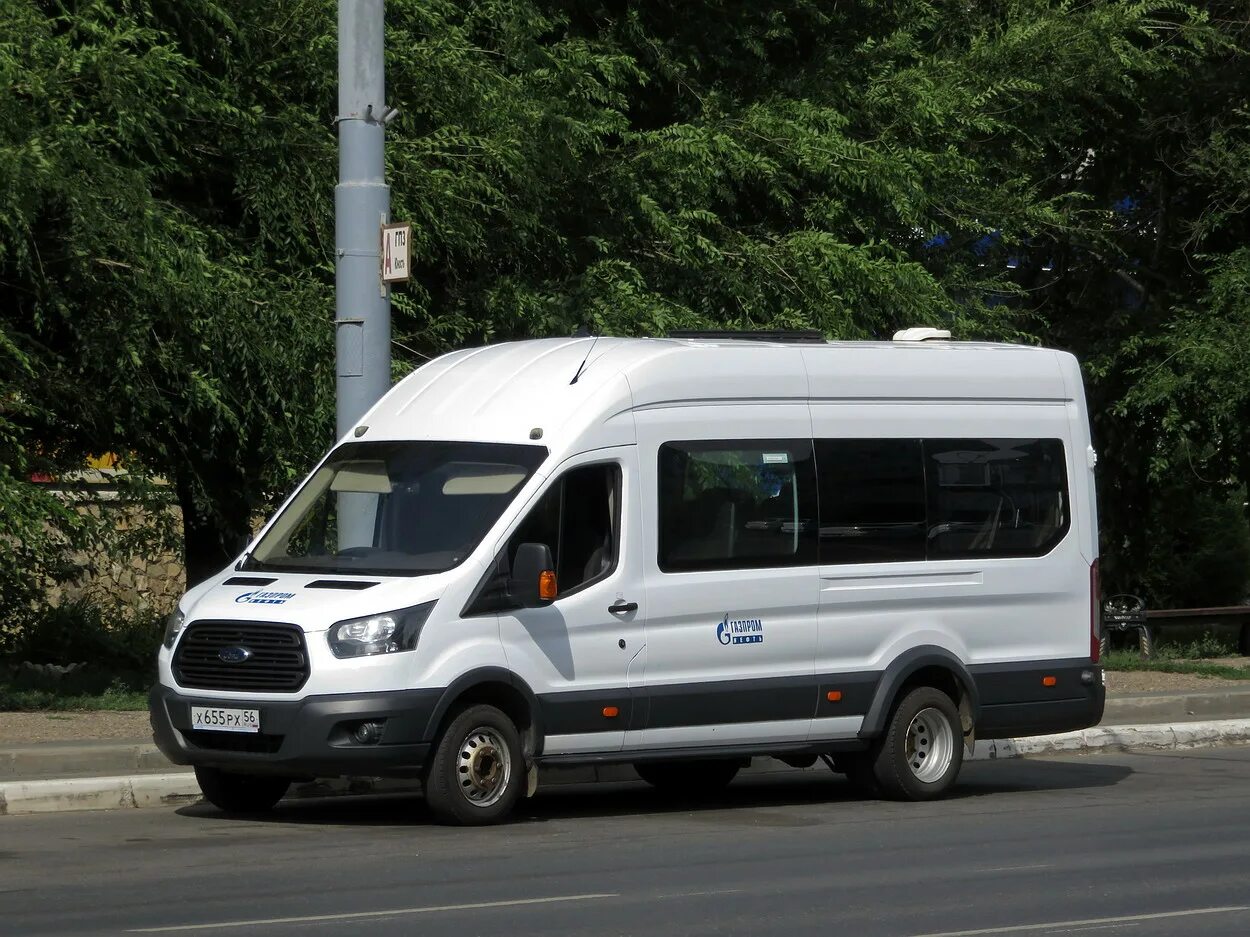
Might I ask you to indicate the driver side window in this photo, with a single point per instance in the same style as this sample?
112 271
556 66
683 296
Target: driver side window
578 517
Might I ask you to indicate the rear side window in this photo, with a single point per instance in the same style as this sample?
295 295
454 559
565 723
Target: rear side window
739 504
995 497
872 500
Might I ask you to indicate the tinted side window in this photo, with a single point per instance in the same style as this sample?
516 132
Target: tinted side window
995 497
872 500
736 504
578 517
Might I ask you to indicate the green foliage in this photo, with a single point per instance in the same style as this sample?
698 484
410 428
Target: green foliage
118 651
1128 660
1030 170
1205 645
156 246
15 698
1199 553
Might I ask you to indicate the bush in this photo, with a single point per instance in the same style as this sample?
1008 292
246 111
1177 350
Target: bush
1199 549
119 652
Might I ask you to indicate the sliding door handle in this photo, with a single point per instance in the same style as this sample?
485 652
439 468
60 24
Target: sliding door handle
620 608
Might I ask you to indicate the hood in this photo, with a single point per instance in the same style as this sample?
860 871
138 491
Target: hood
313 602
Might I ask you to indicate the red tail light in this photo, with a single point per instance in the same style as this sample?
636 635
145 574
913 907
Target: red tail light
1095 612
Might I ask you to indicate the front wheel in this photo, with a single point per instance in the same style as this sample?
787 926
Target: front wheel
240 793
478 772
922 750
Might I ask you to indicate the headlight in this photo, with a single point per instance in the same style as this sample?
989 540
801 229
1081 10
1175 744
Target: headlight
173 626
379 634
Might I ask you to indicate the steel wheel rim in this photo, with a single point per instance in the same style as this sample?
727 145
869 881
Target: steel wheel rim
930 745
483 767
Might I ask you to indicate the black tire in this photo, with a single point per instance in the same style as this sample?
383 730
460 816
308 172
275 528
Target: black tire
478 770
922 750
688 777
240 793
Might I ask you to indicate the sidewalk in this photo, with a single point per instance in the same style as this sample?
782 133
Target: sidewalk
38 777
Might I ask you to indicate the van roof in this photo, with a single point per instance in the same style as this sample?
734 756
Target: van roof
501 393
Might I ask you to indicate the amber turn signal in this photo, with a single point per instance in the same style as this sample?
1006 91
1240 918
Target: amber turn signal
547 585
1049 681
611 712
834 696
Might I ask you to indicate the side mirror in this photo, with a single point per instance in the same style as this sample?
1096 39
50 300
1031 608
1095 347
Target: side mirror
533 581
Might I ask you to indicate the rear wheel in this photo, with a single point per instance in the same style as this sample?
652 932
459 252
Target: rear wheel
921 752
478 770
688 777
240 793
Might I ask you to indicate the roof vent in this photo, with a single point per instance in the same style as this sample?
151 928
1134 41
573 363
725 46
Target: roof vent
923 334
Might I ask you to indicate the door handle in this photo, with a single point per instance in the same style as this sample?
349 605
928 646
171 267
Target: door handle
621 607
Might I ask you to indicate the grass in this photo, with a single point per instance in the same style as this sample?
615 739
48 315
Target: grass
1131 660
16 699
1186 657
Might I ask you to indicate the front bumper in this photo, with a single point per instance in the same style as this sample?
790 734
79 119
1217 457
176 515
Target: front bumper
309 737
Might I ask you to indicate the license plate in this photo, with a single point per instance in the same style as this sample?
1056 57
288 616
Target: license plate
225 720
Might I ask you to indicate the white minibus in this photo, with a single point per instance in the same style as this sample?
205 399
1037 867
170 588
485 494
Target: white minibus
675 553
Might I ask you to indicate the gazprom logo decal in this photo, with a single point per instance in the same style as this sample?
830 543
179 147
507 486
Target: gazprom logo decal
264 598
740 631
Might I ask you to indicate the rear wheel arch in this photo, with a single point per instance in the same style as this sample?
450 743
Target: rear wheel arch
931 666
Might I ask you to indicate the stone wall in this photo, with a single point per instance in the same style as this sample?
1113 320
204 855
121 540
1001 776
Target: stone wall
146 583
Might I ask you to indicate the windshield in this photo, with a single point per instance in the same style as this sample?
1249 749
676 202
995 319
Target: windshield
395 508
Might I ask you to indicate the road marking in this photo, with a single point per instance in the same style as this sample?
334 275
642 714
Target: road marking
360 915
1017 868
1055 925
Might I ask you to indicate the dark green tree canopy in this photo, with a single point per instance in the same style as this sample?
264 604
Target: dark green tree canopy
1028 170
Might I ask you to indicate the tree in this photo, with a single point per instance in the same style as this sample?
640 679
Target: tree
154 271
1022 169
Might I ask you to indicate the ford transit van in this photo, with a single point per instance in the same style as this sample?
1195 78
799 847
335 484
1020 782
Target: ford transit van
674 553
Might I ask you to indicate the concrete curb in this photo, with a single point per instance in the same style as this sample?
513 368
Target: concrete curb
179 788
1164 737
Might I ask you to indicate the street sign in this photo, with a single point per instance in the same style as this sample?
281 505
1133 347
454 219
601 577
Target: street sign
396 257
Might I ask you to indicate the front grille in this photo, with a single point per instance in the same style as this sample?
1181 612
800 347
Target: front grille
235 742
278 661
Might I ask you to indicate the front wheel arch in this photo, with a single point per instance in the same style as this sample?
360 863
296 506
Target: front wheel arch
493 686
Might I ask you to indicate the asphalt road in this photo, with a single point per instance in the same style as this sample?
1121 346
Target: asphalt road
1148 846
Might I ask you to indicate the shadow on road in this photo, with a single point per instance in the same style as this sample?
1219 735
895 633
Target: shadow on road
808 788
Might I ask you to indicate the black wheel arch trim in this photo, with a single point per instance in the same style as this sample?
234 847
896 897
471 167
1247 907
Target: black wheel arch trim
900 670
482 676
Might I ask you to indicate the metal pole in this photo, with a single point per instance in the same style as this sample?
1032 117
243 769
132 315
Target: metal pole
362 310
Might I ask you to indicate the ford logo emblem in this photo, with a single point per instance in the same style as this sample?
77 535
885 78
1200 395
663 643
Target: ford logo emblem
234 655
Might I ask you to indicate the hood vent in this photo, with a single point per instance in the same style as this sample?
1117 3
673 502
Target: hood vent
248 581
351 585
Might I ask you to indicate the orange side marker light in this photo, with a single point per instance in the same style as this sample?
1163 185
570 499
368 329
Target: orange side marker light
1049 681
611 712
547 585
834 696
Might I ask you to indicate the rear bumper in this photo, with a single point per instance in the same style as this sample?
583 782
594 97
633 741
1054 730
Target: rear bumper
1015 702
310 737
